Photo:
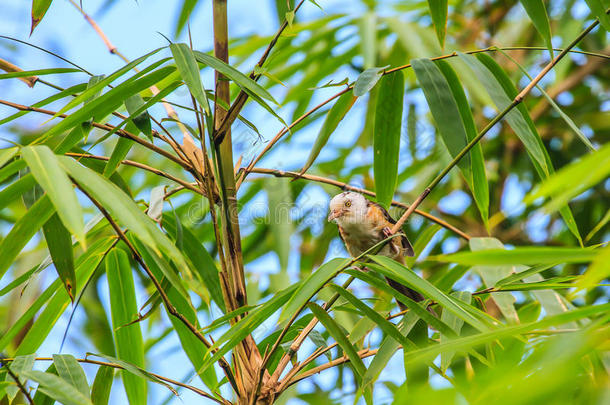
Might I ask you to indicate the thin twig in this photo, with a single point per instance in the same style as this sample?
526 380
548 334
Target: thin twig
345 186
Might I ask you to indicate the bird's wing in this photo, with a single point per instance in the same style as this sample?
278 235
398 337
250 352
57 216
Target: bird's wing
406 245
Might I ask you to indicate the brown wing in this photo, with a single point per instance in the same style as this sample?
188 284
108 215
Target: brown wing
403 240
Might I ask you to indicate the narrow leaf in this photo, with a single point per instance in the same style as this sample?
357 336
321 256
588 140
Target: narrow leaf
57 388
311 285
537 12
456 325
386 142
20 365
120 151
60 247
335 331
100 391
68 368
141 120
189 70
39 9
367 80
438 12
529 255
51 176
124 309
599 10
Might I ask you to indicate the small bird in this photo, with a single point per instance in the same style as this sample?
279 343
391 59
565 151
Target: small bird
362 224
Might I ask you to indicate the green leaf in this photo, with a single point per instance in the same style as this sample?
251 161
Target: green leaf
68 368
7 154
121 149
16 189
185 12
280 202
367 80
60 247
580 175
386 141
386 326
141 120
537 12
57 388
403 275
455 324
453 117
47 171
311 285
41 398
368 38
238 77
23 230
39 72
438 12
597 271
189 70
492 274
335 331
334 116
18 366
530 255
123 208
39 9
465 343
100 391
598 8
124 309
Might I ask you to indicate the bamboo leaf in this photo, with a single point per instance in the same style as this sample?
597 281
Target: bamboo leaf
581 175
599 10
47 171
311 285
124 309
68 368
20 365
39 72
334 116
60 247
189 70
438 12
537 12
238 77
100 391
529 255
335 331
57 388
39 9
455 324
492 274
41 398
386 142
280 202
403 275
23 230
367 80
121 149
141 120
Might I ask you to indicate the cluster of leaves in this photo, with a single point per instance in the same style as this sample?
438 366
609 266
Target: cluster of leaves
520 324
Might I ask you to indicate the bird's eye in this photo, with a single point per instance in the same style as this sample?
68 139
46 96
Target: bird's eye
348 203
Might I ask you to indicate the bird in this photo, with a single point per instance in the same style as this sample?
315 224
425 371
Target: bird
363 223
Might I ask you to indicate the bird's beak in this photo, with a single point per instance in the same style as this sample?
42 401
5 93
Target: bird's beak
334 214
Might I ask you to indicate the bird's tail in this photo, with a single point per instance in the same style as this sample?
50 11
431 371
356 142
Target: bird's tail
408 292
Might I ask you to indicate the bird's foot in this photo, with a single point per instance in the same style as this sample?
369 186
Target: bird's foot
387 232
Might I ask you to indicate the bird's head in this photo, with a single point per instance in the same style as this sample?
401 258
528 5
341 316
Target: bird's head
347 207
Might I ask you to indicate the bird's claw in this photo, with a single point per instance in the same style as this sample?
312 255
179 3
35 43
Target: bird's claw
387 232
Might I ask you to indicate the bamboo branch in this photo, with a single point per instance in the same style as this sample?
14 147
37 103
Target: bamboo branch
168 305
517 100
345 186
